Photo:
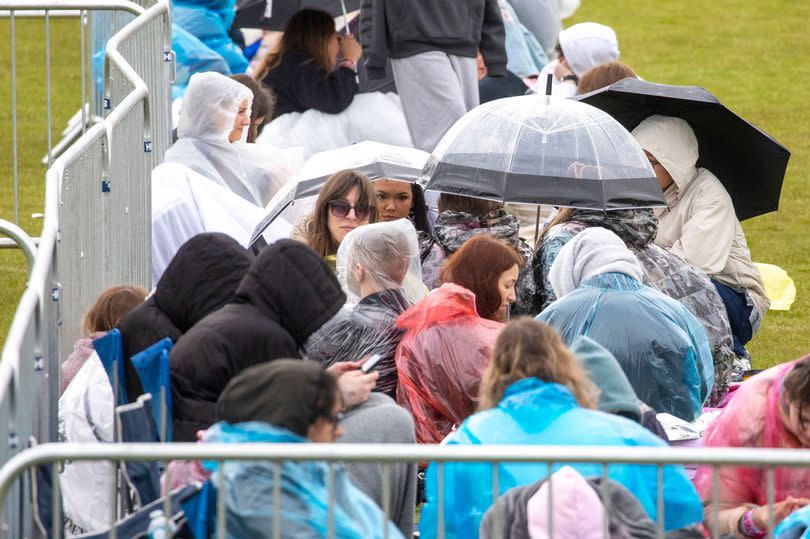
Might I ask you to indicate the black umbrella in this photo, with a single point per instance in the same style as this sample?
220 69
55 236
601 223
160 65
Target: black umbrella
750 163
251 13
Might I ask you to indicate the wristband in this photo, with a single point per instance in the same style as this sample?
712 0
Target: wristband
748 528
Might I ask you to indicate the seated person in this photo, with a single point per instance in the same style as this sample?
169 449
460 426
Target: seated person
666 272
661 347
110 307
303 74
288 401
373 262
579 48
450 335
770 410
263 103
535 392
213 128
700 225
460 218
346 201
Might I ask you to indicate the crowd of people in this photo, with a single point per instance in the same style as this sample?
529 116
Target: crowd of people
477 333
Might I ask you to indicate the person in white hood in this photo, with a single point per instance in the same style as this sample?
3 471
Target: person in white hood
212 134
700 224
580 48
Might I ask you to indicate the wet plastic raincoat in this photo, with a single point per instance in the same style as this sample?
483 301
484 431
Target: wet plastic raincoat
207 117
751 419
541 413
441 358
661 347
304 492
378 268
664 271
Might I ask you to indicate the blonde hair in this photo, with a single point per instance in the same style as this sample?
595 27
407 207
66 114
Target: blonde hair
111 306
530 349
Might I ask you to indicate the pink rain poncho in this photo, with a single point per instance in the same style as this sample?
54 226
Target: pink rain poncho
752 419
441 359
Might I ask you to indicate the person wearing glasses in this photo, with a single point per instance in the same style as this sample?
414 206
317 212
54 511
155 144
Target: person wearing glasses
346 201
288 401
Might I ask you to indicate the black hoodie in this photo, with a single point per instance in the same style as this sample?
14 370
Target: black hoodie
201 278
288 293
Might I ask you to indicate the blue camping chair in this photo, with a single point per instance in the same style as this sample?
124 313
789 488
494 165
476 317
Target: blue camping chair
110 351
152 366
135 424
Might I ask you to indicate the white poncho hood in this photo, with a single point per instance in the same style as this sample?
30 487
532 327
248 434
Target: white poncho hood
207 116
587 45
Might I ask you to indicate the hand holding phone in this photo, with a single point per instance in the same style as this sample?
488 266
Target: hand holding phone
370 363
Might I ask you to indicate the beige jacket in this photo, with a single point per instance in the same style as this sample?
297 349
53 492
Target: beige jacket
699 224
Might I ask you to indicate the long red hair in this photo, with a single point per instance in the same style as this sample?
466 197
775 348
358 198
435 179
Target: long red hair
477 266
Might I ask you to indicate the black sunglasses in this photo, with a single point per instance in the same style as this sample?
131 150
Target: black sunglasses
341 209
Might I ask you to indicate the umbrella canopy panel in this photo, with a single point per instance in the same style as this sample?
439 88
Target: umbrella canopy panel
543 150
749 162
251 13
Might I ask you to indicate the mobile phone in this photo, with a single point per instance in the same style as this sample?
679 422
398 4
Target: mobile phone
371 363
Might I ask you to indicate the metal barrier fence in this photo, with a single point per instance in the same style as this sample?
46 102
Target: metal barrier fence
97 225
768 459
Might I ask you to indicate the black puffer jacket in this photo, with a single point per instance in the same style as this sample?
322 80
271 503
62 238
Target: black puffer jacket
201 278
288 293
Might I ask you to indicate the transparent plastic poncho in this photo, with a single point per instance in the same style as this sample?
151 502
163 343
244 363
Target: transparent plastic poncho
441 359
752 419
661 347
207 116
543 150
378 267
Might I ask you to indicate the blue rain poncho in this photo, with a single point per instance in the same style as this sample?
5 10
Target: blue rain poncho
661 347
536 412
304 493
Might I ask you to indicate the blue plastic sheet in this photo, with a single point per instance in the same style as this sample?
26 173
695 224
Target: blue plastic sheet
534 412
152 366
209 21
111 355
193 56
795 526
304 494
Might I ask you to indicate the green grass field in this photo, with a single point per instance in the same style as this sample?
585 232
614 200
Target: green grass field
752 55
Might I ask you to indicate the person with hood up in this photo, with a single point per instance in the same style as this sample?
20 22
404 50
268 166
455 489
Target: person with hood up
432 47
663 270
661 347
700 224
293 402
213 128
534 392
579 48
461 218
616 395
769 410
201 278
576 508
446 347
378 268
286 295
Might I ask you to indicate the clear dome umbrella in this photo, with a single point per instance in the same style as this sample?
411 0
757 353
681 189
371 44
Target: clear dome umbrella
543 150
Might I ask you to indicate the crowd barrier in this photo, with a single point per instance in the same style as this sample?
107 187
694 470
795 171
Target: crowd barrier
15 469
97 222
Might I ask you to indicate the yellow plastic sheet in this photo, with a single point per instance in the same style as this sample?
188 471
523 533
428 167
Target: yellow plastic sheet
778 285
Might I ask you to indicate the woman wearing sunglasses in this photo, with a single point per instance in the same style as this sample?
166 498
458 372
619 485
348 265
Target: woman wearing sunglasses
346 201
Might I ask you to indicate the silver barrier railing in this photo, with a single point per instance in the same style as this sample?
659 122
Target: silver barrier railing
96 230
769 459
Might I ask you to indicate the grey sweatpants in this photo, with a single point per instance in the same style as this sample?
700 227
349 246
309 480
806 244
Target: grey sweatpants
435 89
379 420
